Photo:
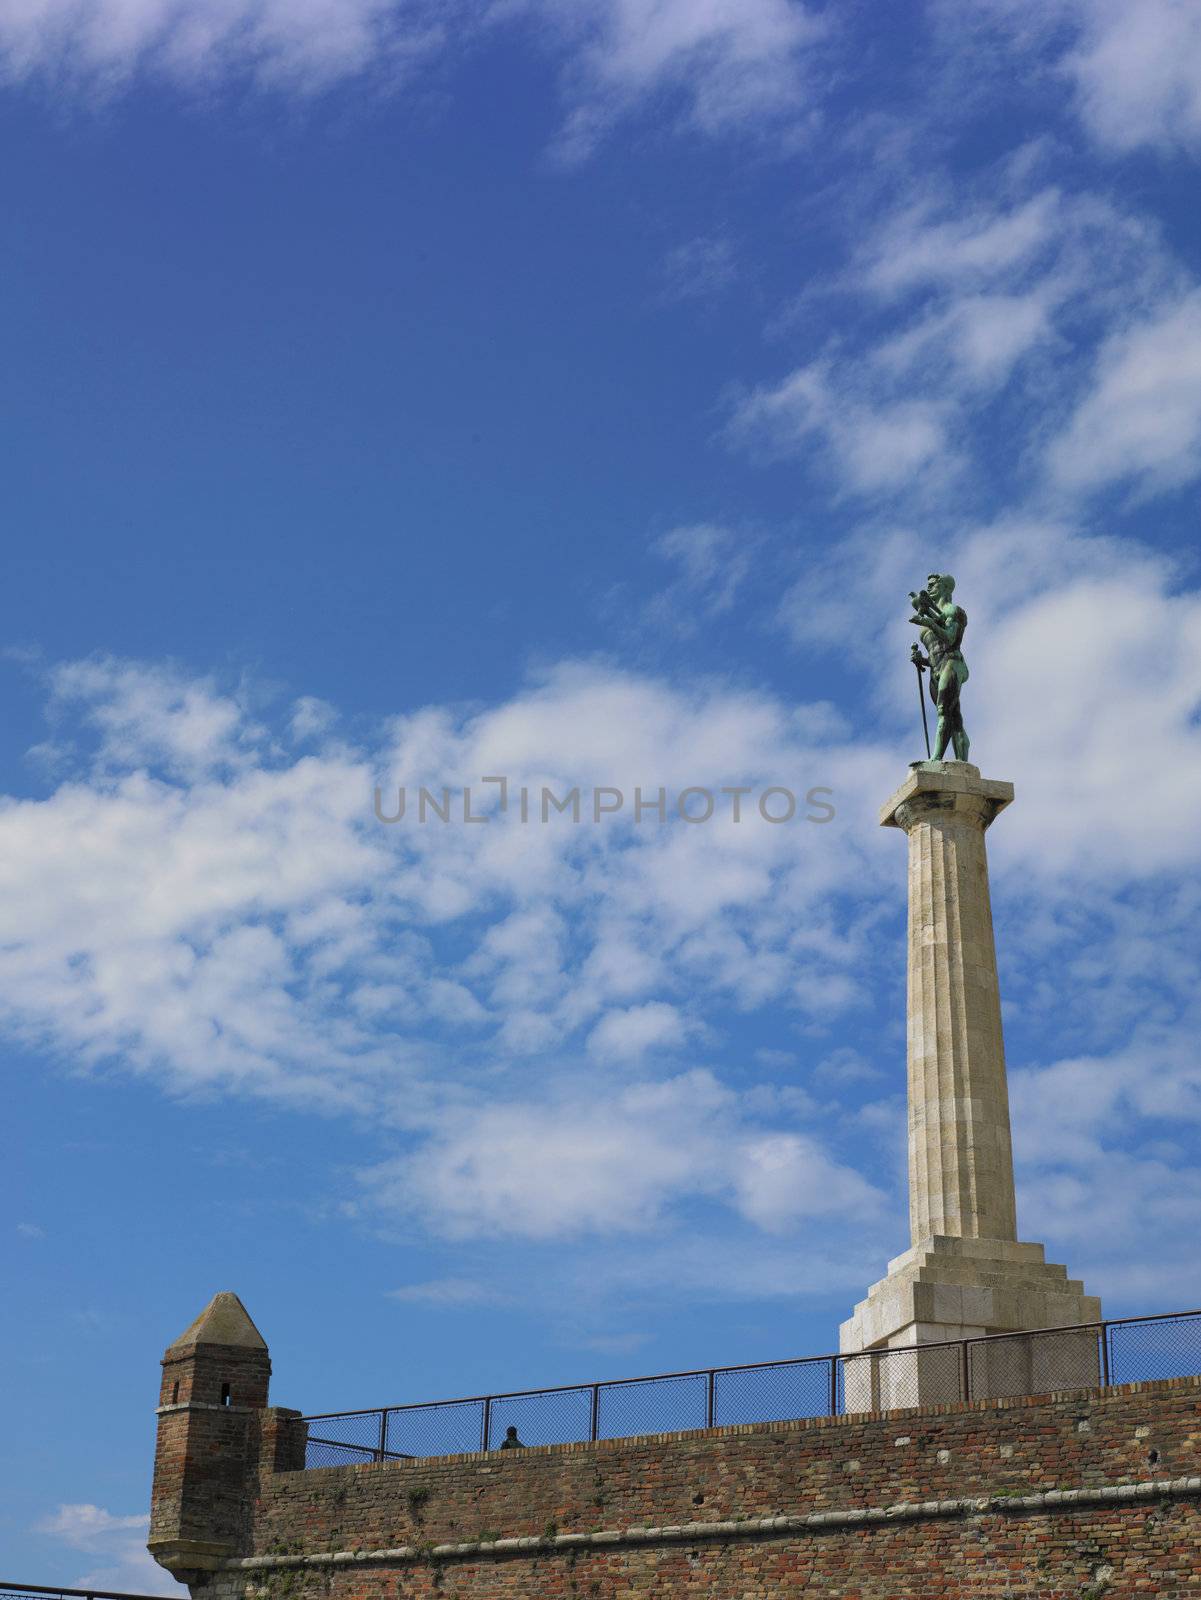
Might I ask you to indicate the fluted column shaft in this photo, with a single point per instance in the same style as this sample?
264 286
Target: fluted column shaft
966 1274
960 1152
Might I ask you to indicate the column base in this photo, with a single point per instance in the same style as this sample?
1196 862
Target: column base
957 1288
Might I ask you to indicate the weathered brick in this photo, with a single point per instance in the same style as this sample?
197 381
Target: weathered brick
234 1479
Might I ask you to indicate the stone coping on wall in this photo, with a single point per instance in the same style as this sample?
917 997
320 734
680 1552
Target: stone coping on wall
789 1425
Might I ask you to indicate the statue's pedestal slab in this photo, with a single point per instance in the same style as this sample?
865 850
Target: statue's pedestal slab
963 1288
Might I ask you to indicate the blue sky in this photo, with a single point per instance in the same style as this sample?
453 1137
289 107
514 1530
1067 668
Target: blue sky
406 394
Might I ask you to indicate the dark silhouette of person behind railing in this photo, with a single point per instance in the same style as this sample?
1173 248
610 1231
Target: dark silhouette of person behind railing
510 1440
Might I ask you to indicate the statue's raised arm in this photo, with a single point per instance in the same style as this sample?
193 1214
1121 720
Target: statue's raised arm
942 625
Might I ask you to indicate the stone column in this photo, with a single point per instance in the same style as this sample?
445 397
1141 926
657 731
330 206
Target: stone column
965 1274
960 1156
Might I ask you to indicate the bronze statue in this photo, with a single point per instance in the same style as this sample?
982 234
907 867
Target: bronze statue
942 623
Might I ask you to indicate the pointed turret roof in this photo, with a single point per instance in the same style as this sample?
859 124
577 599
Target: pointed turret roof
224 1320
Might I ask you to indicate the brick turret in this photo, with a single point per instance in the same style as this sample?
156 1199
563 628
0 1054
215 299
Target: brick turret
213 1425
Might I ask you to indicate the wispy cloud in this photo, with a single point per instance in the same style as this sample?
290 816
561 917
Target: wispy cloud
726 66
972 331
1101 1138
1138 73
310 717
870 445
211 911
1140 420
103 44
1135 71
82 1526
116 1543
615 1162
919 246
712 564
445 1294
627 1035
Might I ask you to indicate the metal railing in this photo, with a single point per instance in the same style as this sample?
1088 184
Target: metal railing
1119 1350
36 1591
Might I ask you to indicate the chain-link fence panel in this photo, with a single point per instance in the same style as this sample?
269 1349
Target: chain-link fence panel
343 1441
772 1394
890 1380
1162 1347
1034 1363
562 1416
653 1405
450 1428
874 1380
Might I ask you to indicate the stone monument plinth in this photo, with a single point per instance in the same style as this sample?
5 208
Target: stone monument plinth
966 1273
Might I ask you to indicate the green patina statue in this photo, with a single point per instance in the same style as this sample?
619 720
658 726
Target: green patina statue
942 623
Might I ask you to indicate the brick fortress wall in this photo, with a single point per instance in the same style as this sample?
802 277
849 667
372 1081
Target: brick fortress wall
1095 1492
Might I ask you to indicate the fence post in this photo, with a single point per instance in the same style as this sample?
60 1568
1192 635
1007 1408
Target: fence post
1105 1353
833 1386
383 1435
710 1398
486 1431
594 1414
965 1371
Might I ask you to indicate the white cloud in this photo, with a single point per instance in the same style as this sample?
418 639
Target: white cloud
300 44
875 445
221 915
1126 705
722 65
117 1543
845 1066
310 717
916 248
1138 72
508 1001
1103 1139
731 64
30 1230
627 1035
966 303
1135 69
1141 418
614 1162
712 563
784 1177
710 559
148 716
978 288
178 927
83 1526
445 1293
981 337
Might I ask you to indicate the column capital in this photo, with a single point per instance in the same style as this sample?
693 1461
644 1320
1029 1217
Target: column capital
954 786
